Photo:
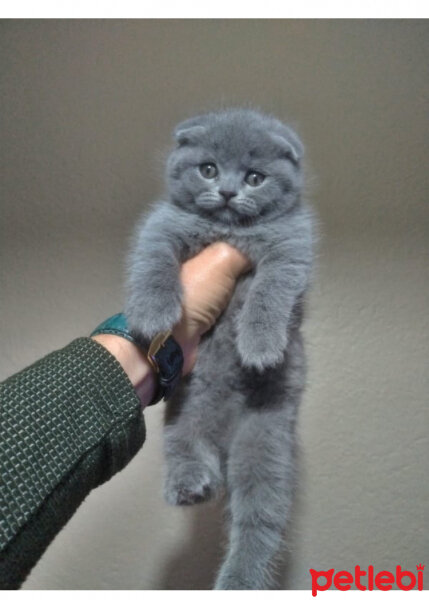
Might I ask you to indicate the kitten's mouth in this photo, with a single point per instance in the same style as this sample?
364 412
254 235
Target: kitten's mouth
230 214
226 212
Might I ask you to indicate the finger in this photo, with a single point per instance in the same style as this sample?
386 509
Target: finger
215 262
226 258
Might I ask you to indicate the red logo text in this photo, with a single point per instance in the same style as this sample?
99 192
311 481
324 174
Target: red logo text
366 580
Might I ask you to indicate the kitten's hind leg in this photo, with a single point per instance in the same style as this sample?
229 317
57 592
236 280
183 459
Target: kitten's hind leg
193 473
193 461
260 485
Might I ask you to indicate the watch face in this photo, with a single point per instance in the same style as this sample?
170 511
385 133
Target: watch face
169 359
168 363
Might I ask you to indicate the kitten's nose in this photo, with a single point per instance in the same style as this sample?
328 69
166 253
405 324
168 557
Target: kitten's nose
227 194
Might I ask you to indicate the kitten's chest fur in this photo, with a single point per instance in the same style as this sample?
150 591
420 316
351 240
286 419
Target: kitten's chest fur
253 240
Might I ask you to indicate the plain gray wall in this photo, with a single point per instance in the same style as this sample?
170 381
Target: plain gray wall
87 108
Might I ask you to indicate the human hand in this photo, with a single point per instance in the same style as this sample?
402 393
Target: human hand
208 281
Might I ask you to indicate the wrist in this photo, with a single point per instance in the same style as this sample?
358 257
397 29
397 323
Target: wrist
133 361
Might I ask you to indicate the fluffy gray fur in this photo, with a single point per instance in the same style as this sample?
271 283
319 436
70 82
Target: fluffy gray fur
231 423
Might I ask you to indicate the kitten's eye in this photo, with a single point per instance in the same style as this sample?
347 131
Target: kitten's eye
254 178
208 170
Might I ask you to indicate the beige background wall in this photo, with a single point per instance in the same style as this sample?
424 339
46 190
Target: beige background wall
86 114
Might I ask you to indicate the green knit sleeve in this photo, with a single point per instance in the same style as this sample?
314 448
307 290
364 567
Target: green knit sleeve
67 424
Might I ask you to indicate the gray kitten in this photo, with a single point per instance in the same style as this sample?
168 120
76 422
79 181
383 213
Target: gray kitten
235 176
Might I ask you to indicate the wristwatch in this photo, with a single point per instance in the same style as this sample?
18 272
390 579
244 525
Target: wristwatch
164 354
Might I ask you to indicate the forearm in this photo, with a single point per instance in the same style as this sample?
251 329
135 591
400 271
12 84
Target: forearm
68 423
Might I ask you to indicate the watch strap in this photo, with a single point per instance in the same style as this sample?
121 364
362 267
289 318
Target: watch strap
118 325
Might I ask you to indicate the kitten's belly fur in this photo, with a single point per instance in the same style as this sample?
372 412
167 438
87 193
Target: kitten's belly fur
220 389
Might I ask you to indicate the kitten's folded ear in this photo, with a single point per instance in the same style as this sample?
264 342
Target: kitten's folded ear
289 145
191 135
190 131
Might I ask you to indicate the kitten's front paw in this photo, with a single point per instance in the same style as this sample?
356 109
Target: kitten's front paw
259 347
155 314
191 484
